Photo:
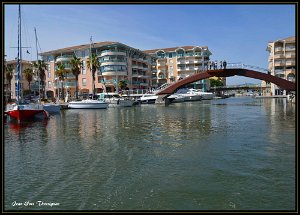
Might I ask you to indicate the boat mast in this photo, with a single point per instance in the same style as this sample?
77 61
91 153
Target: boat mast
37 61
19 59
91 64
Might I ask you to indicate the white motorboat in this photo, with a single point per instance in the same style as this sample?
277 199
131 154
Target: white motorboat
89 104
205 95
115 100
185 95
148 99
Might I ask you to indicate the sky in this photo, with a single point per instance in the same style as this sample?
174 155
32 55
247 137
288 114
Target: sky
232 32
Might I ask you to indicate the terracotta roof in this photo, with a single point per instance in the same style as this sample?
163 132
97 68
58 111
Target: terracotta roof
72 48
15 62
288 39
173 49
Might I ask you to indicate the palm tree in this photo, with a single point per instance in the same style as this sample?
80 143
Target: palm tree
29 76
95 66
76 65
41 66
61 73
9 76
122 84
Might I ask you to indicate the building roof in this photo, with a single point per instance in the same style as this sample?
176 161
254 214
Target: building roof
79 47
15 62
87 46
173 49
288 39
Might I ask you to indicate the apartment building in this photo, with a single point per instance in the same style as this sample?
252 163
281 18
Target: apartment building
282 61
117 62
176 63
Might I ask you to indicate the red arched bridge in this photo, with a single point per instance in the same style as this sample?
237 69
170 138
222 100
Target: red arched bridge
243 70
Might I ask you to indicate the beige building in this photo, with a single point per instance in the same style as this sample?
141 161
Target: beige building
175 63
117 62
282 61
11 89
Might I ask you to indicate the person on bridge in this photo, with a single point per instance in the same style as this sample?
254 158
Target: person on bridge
221 64
224 64
216 64
210 64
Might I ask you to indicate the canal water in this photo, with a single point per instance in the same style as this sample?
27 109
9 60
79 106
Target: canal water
227 154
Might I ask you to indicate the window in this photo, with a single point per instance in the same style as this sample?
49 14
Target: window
84 82
49 74
49 84
83 68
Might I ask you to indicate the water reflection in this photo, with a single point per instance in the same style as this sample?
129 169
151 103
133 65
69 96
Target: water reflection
199 156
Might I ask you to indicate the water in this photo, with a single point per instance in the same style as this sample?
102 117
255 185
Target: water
231 154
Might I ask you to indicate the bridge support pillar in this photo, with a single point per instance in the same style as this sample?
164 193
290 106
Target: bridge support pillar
162 99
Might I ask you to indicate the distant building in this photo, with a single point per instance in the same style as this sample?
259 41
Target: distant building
11 89
176 63
282 61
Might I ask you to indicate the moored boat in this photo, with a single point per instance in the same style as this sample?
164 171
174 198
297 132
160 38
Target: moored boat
148 99
52 108
89 103
20 110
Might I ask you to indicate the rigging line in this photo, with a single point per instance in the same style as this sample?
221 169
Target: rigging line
26 34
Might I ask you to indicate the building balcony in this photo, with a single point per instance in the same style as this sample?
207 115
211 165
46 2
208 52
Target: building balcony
276 72
290 63
197 61
279 49
139 75
279 64
279 56
161 64
108 52
118 63
69 84
290 55
189 62
64 58
134 66
114 73
290 71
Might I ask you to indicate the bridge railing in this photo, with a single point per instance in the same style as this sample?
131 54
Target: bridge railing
238 86
245 66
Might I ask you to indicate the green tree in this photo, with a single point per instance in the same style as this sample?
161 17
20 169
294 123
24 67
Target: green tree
29 76
122 84
76 65
215 83
61 73
94 63
41 66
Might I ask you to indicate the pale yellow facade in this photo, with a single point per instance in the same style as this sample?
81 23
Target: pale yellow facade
282 61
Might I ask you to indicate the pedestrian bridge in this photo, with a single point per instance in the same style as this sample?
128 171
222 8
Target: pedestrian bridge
231 70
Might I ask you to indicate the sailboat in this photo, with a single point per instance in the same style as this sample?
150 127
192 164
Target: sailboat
21 111
49 107
100 103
